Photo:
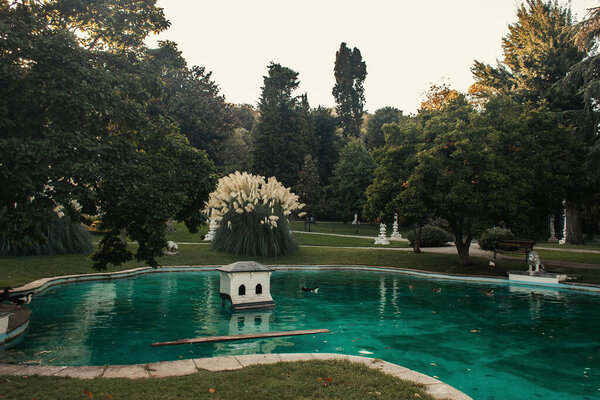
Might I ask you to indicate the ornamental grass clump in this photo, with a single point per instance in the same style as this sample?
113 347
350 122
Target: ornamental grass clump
252 215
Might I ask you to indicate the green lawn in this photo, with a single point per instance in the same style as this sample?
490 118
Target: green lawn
20 270
589 258
587 246
298 380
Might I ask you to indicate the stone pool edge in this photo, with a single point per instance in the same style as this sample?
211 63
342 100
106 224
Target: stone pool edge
41 285
433 387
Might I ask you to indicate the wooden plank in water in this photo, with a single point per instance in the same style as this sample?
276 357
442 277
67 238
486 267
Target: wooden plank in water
241 337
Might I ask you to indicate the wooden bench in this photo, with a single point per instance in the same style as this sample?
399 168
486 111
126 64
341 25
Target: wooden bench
513 246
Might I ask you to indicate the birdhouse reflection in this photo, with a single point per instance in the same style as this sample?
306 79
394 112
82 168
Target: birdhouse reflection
241 323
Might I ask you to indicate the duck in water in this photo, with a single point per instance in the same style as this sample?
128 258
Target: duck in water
307 289
20 299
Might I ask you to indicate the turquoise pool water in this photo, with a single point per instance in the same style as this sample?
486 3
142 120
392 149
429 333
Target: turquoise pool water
512 345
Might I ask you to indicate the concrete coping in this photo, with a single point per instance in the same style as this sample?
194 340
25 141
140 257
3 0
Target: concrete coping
434 387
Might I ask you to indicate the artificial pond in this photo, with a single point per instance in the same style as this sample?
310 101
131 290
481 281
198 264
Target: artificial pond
509 345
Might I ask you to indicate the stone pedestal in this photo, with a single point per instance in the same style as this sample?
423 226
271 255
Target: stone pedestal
382 239
395 234
563 240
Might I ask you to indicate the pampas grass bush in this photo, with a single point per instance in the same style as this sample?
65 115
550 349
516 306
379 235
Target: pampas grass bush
61 237
252 215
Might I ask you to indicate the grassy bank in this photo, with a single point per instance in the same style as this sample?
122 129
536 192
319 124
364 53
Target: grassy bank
298 380
20 270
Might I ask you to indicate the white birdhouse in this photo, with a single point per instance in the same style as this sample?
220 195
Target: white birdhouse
246 284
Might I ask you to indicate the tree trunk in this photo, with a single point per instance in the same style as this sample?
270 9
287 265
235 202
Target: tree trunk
123 236
417 242
574 228
462 228
463 252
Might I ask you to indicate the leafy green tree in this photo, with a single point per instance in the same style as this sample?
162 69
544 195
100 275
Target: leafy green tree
76 85
193 99
583 78
327 142
351 177
538 52
309 188
350 72
508 165
393 191
374 137
282 135
234 153
245 116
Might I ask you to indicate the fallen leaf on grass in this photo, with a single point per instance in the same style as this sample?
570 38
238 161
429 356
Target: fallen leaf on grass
108 396
329 380
378 393
212 390
88 394
417 395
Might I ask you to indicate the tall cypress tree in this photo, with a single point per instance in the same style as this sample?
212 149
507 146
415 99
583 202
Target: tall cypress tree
281 137
327 142
350 72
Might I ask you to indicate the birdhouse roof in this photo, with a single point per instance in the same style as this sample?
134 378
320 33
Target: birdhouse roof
244 266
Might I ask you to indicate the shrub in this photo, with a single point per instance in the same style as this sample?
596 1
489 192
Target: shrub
431 236
492 235
252 215
61 237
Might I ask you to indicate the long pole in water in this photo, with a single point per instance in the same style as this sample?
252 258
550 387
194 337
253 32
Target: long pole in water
241 337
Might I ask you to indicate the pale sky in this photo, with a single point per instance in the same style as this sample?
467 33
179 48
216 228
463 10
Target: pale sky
407 45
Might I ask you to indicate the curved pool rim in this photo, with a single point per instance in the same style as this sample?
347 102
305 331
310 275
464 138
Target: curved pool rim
434 387
44 284
40 285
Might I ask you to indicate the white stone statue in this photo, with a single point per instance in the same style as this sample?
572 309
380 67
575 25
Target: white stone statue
564 237
395 234
172 248
212 227
533 260
381 239
355 219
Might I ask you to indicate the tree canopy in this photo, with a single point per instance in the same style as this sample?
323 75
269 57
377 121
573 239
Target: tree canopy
282 135
351 177
350 72
475 169
77 131
374 137
538 52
